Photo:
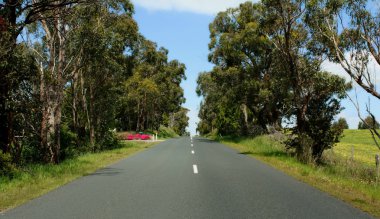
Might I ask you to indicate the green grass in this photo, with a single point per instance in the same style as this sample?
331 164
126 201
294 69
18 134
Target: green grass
36 180
363 144
351 181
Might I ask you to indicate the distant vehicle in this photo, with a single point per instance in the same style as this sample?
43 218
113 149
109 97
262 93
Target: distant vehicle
138 136
145 137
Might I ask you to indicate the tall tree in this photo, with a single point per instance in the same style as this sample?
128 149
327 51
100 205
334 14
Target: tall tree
106 31
153 92
266 66
15 15
354 43
243 54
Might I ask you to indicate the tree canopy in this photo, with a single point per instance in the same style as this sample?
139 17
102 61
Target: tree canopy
266 74
80 70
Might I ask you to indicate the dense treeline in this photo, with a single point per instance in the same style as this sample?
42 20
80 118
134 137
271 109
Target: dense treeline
267 73
74 70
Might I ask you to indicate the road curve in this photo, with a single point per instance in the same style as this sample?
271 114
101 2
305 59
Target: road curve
184 178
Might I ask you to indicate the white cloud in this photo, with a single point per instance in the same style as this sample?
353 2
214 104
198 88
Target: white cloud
210 7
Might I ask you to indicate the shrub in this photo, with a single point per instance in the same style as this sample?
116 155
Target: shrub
165 132
369 123
6 166
341 123
109 141
69 147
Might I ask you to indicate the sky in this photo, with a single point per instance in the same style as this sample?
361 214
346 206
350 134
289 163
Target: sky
181 26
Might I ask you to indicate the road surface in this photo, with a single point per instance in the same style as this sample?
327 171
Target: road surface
183 178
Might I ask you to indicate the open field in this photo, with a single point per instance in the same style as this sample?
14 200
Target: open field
40 179
351 181
364 147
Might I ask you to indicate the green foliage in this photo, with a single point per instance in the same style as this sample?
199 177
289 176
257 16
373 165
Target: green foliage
109 141
369 123
6 166
341 123
244 96
178 121
153 92
319 133
165 132
69 149
266 73
62 98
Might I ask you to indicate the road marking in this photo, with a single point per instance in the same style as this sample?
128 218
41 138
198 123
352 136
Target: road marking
192 145
192 152
195 169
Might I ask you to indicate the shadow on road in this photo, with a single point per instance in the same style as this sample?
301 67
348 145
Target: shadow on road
266 154
204 140
108 171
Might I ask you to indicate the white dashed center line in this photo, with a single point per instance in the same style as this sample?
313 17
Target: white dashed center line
192 145
192 152
195 169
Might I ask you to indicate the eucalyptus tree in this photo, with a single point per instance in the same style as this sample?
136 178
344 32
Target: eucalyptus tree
179 121
101 38
218 113
153 92
347 33
266 66
14 16
243 53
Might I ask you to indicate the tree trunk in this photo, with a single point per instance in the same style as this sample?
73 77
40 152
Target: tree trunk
51 121
4 124
244 110
6 120
92 118
75 98
51 90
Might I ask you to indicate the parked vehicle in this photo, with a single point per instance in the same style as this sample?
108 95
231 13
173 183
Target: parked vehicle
138 136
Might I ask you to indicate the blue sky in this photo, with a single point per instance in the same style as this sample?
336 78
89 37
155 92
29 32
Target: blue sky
182 27
186 36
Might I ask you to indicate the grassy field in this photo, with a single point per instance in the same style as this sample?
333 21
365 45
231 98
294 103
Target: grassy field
364 148
40 179
351 181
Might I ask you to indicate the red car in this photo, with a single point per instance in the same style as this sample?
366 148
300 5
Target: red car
145 137
130 137
138 137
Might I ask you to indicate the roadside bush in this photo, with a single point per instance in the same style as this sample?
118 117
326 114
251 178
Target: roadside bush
6 166
341 123
109 141
165 132
31 151
369 123
69 147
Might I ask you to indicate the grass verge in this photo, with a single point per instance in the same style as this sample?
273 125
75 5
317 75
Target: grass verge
36 180
349 181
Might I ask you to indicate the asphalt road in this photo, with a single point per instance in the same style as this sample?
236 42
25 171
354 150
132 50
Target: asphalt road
170 181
